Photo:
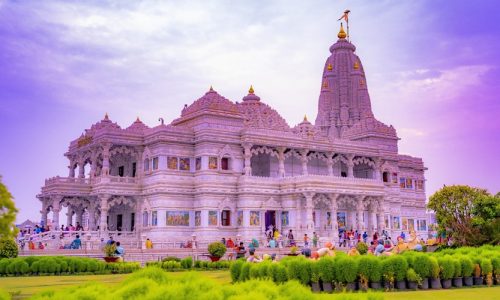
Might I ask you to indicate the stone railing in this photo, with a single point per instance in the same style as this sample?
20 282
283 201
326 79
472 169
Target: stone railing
58 179
305 178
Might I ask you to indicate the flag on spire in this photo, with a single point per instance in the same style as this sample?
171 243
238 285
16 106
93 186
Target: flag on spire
345 16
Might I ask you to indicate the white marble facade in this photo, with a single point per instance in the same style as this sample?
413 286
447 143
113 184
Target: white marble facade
227 168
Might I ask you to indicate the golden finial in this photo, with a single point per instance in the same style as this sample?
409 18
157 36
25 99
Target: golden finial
211 89
251 91
342 34
356 65
305 118
330 67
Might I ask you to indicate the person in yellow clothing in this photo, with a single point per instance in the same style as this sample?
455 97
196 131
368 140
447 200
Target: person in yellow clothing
149 244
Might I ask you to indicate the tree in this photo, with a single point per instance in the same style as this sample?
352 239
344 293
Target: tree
470 215
8 213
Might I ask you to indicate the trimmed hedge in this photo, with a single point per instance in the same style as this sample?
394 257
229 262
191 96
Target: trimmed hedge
343 269
59 265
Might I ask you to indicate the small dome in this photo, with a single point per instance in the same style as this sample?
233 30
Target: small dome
260 115
137 126
105 123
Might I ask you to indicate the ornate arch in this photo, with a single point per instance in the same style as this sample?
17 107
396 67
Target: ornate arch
227 203
271 204
341 158
121 200
364 160
264 149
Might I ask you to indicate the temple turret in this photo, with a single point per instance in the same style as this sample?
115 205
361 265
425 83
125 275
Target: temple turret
344 100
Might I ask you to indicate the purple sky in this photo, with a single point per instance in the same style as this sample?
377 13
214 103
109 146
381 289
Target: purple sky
433 71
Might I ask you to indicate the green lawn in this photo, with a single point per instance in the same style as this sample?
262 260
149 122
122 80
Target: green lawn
23 287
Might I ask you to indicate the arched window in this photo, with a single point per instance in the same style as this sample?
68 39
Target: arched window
145 219
226 218
385 176
146 165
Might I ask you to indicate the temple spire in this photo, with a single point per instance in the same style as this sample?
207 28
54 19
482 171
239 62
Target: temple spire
341 34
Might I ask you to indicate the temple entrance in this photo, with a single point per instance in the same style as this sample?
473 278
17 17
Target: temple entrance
270 219
132 222
119 222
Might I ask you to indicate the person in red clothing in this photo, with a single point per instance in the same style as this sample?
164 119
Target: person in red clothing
230 243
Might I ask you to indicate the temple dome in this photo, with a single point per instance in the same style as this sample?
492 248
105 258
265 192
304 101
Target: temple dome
105 123
260 115
370 127
210 101
137 126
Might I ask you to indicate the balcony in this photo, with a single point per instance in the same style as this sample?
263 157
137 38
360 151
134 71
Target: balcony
323 183
66 184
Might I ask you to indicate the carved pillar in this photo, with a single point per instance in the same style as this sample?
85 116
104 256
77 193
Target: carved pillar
303 159
281 160
359 213
248 157
44 212
81 168
105 159
79 216
139 171
372 219
381 215
309 210
91 212
350 165
329 163
298 213
138 213
93 164
377 170
335 225
103 224
56 208
71 168
69 216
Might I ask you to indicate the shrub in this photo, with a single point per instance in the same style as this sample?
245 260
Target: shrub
235 270
434 267
362 248
422 265
411 275
3 266
263 270
486 266
8 248
254 271
187 263
171 258
457 267
294 268
245 272
326 269
217 249
305 271
467 266
400 267
447 267
281 274
314 272
347 270
364 268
